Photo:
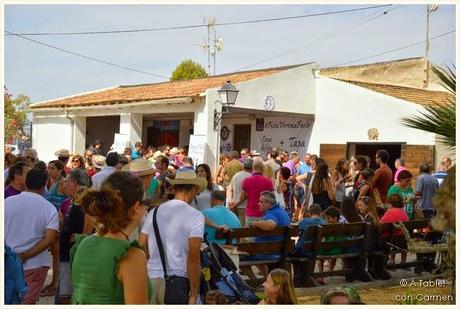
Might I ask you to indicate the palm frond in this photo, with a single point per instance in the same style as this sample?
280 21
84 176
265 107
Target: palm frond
447 77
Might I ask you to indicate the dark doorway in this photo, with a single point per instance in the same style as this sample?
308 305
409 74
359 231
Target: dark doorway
370 149
241 136
163 133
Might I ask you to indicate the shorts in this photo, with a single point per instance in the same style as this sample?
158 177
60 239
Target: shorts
158 292
251 220
35 279
65 285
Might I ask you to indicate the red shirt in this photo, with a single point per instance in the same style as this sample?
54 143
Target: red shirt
382 181
394 215
91 172
253 186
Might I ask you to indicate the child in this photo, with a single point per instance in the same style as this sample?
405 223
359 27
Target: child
340 296
216 297
279 289
332 217
395 213
313 217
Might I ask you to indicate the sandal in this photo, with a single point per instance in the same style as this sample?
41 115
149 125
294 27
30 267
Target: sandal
49 290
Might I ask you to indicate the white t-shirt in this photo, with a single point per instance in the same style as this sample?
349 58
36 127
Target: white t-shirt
236 183
177 222
202 200
27 217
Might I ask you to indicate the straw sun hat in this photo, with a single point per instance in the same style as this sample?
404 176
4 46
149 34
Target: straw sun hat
188 177
98 161
62 153
139 167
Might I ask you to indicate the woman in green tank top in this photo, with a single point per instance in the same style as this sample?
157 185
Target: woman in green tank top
106 268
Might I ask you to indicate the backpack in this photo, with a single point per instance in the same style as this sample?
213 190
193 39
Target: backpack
15 283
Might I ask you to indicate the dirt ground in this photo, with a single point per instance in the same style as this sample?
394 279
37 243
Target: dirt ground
418 294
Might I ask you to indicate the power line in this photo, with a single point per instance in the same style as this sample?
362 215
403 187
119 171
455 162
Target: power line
200 26
322 38
86 57
396 49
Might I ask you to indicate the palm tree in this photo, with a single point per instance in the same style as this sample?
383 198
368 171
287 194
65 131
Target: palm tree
440 119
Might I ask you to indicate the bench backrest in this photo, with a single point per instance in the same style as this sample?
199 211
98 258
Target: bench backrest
280 247
349 235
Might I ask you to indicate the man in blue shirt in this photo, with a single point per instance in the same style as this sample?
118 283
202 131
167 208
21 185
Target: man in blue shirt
274 216
218 217
426 187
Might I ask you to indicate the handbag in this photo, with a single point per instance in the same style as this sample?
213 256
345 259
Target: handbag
177 288
418 212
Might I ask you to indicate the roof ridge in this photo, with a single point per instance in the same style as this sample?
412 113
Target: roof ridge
280 68
391 85
74 95
373 64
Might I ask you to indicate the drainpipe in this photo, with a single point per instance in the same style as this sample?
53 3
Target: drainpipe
71 131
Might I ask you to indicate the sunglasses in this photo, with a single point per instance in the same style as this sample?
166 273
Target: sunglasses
76 160
30 158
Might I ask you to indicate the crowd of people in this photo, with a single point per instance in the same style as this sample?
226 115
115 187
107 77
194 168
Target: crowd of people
128 228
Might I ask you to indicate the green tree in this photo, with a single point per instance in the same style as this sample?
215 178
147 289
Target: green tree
188 69
15 115
440 119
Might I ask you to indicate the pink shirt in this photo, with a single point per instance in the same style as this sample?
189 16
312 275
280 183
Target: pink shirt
253 186
399 170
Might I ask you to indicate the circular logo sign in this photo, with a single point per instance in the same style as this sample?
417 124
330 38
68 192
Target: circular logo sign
224 133
269 103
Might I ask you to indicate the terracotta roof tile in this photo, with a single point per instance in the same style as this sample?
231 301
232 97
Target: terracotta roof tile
167 90
416 95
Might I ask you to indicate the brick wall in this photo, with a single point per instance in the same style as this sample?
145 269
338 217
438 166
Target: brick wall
332 153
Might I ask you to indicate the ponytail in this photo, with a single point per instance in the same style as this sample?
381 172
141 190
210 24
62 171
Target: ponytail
107 207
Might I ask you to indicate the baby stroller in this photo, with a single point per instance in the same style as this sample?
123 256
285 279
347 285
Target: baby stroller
218 272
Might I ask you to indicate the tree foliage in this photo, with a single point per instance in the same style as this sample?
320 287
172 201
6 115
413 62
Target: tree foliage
15 115
188 69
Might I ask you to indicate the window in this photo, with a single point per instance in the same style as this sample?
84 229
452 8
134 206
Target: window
241 136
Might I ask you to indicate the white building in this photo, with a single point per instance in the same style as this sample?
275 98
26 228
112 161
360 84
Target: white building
297 107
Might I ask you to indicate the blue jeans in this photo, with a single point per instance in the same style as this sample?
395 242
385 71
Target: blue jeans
261 257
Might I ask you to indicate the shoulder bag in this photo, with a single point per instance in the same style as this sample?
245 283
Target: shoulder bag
177 288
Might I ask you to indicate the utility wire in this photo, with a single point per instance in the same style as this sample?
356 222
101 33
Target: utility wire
322 38
201 25
396 49
86 57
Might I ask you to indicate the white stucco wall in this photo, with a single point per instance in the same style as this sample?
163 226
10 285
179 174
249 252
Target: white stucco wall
293 91
50 134
345 112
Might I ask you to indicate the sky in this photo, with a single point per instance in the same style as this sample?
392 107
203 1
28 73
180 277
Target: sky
43 73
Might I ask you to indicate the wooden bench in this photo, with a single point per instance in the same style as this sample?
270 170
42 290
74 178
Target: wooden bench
353 250
393 240
281 247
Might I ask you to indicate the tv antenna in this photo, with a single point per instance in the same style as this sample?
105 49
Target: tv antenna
211 45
